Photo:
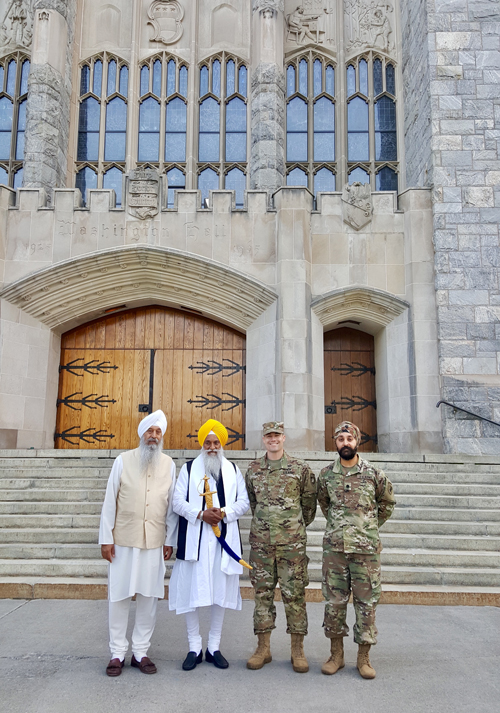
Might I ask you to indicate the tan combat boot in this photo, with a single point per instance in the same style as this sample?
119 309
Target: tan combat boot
364 666
336 659
299 661
262 653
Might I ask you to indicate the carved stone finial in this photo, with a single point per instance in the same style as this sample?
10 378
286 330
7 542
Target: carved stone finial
165 17
17 24
357 206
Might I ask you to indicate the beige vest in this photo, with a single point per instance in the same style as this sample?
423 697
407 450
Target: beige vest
141 506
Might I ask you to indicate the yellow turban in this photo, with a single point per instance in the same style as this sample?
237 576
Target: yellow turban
217 428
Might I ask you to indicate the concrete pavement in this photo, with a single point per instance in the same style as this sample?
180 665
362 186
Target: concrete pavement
432 659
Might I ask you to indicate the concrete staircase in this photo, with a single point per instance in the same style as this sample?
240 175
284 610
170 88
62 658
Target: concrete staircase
442 544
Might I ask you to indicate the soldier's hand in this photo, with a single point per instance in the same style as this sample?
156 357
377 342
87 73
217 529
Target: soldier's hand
108 552
167 552
212 515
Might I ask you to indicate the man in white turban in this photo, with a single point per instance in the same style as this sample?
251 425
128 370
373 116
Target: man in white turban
204 574
138 529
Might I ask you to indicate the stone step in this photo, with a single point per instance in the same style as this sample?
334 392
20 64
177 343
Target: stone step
448 501
96 570
411 541
41 495
59 520
439 527
447 513
49 535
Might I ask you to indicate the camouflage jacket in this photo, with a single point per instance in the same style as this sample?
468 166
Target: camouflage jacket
283 501
355 506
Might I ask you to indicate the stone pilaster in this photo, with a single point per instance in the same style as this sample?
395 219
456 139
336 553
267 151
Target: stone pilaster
267 157
300 376
49 93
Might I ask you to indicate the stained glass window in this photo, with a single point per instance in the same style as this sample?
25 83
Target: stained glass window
102 125
310 120
14 72
222 133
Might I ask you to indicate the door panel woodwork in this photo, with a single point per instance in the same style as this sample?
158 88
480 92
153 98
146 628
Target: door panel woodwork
199 373
350 385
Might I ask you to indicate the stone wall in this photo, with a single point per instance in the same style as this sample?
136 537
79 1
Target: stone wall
464 60
282 273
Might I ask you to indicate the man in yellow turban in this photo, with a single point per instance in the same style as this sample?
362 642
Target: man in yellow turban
204 574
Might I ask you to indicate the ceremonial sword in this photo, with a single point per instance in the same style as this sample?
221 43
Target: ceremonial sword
207 494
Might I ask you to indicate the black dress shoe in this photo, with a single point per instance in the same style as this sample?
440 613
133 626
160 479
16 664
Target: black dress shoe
191 660
216 658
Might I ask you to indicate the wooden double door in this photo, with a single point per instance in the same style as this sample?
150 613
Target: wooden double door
350 385
115 370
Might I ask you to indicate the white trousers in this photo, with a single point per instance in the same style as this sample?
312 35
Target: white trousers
145 620
215 633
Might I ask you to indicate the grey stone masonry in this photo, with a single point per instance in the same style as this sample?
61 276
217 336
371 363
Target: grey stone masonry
416 95
464 57
267 156
49 92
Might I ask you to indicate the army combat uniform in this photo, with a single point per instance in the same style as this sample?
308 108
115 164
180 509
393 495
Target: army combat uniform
282 496
356 501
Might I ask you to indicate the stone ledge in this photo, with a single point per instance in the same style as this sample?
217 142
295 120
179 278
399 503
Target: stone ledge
33 588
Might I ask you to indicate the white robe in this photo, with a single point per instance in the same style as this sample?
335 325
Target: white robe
133 570
213 578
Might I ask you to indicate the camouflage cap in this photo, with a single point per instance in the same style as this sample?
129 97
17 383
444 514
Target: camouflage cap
348 427
273 427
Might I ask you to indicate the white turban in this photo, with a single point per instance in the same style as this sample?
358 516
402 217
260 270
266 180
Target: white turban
157 418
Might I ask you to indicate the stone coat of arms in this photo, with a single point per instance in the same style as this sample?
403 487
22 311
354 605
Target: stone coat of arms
143 188
357 206
165 17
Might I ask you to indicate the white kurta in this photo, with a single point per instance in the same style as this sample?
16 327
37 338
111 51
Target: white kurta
134 570
203 583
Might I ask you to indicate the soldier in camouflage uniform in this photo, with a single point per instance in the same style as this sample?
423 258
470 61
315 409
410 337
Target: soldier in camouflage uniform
282 493
356 498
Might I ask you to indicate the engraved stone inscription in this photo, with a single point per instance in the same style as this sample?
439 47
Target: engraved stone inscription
143 193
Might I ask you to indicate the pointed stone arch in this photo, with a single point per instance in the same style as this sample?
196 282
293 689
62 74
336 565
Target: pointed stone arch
74 291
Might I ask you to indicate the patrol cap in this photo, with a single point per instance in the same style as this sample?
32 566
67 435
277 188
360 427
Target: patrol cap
348 427
273 427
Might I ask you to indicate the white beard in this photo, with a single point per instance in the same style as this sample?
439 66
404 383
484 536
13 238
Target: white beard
213 463
149 455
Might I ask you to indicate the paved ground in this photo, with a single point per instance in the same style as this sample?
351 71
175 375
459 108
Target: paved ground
432 659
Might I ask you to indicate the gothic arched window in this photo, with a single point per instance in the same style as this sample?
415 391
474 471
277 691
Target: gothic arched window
222 135
371 123
163 95
102 126
14 71
310 123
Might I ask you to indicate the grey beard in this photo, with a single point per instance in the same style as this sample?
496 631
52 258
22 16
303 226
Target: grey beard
213 463
149 455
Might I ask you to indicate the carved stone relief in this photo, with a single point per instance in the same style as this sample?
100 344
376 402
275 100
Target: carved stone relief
17 24
143 193
357 206
310 21
165 17
369 25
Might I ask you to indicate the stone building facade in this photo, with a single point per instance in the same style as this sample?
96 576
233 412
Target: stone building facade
283 167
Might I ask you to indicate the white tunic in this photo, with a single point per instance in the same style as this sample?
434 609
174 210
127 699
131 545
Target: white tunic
133 570
202 583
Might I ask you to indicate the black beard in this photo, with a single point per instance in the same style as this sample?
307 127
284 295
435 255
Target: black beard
347 453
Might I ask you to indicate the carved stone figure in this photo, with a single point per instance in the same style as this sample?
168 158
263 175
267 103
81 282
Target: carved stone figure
143 187
368 25
17 24
312 21
165 17
357 206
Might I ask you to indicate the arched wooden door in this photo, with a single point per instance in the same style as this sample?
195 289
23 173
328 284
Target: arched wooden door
350 385
117 369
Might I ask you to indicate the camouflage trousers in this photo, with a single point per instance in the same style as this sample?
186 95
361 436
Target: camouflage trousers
286 564
343 573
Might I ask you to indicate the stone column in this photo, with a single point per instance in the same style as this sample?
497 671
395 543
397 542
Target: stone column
267 158
300 377
49 93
